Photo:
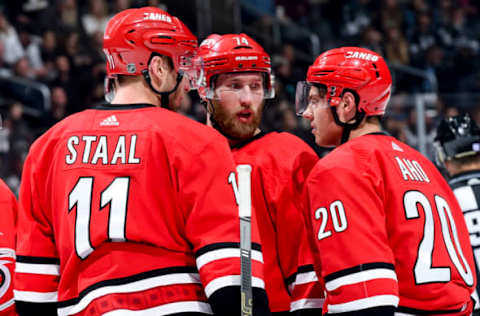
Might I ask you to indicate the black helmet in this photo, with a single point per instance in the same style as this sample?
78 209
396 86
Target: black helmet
457 137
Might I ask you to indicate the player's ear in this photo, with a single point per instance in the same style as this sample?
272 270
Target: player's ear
158 69
347 108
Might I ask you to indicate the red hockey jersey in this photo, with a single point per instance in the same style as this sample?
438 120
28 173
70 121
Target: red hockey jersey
8 211
129 207
281 163
388 230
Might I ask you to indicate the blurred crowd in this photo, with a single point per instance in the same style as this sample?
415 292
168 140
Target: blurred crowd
432 46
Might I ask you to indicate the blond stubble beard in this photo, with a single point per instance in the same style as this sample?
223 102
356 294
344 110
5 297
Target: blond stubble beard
231 126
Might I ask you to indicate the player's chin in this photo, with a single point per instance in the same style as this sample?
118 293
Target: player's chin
320 141
243 131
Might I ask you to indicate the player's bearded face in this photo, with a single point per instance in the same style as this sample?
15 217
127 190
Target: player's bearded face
238 104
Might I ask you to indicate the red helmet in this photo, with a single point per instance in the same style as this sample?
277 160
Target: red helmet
133 35
355 68
234 53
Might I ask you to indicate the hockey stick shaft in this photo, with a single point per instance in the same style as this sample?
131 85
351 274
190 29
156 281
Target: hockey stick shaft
245 212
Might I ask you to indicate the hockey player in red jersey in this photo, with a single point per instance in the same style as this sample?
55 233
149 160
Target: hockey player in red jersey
125 209
389 235
237 78
8 211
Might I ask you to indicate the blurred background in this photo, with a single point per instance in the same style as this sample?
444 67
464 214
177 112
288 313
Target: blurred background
52 65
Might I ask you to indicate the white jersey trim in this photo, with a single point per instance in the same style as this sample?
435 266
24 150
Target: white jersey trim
36 268
230 280
136 286
360 277
7 253
166 309
476 299
223 254
35 297
303 278
306 303
368 302
7 304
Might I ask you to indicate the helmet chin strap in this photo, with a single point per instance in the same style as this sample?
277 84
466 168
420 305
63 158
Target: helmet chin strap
163 95
347 128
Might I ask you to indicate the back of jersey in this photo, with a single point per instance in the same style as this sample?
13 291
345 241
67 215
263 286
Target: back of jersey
426 231
389 231
117 208
466 187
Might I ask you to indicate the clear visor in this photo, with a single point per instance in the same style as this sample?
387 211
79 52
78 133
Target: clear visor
192 68
262 89
308 94
301 97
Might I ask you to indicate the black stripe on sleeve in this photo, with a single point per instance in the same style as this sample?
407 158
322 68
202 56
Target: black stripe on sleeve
39 260
30 309
414 311
359 268
224 245
126 280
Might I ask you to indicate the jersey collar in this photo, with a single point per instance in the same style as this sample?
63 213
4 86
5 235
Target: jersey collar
132 106
248 141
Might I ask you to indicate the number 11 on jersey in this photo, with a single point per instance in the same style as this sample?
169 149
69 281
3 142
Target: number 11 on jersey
115 194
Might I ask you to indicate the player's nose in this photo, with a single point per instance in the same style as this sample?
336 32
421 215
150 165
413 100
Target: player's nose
307 114
246 97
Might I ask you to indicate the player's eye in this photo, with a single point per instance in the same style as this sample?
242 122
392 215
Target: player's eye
256 86
314 100
235 86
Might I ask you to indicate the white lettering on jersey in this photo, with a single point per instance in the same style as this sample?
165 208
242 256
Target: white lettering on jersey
88 146
119 151
420 169
70 159
157 17
360 55
233 181
411 170
100 149
131 157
